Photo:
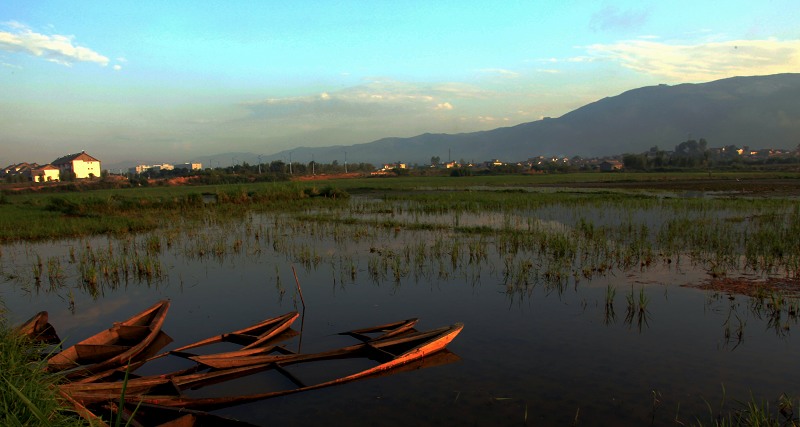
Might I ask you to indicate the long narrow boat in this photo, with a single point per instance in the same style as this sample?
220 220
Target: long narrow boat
82 410
113 347
259 355
390 353
383 331
172 383
118 372
251 336
146 415
112 381
38 328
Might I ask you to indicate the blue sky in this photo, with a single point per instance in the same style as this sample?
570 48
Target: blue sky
169 81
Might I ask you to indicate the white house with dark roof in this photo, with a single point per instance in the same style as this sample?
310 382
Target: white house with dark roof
81 165
46 173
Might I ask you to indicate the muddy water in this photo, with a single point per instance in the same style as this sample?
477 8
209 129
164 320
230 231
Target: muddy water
540 354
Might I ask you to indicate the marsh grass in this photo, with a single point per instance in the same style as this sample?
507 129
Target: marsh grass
753 412
27 393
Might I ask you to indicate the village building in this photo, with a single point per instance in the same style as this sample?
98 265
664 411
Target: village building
18 169
190 166
611 165
80 165
46 173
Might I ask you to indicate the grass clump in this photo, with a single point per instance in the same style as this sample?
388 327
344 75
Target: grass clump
27 394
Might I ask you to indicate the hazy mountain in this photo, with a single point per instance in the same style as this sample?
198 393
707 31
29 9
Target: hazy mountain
759 111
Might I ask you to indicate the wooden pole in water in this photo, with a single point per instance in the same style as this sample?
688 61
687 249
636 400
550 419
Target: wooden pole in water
299 290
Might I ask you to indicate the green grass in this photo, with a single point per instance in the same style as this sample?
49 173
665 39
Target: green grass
27 395
131 210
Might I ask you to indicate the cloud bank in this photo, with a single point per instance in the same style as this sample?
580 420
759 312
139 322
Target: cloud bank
55 48
683 62
371 99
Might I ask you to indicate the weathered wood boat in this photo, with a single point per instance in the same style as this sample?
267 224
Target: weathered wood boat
82 410
171 383
146 415
111 381
250 337
390 353
250 356
118 372
383 331
38 328
113 347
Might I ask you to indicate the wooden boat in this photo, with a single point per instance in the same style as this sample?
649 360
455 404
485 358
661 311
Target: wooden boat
383 331
390 352
146 415
82 410
113 347
171 383
250 337
255 356
111 381
38 328
118 372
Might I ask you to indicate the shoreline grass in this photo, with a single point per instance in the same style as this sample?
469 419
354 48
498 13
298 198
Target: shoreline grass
28 396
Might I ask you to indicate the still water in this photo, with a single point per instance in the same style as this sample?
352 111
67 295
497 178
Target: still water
531 353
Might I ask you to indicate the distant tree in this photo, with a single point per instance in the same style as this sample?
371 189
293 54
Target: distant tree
435 161
277 166
634 161
461 172
67 176
401 172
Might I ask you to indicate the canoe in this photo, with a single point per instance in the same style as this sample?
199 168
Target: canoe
391 353
146 415
113 347
250 337
38 328
172 384
118 372
82 410
383 331
255 356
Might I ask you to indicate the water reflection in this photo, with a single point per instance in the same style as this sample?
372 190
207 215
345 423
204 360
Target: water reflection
540 291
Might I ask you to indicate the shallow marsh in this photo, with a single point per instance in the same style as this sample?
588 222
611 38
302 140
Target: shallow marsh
574 301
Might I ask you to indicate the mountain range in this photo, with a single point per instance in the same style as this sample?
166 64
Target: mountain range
755 111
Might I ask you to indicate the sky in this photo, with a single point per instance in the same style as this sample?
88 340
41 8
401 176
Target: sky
169 81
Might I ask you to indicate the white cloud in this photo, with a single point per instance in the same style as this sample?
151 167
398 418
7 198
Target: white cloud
501 72
117 67
55 48
370 99
684 62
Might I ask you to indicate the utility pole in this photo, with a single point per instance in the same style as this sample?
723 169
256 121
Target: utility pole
345 162
259 164
290 163
313 165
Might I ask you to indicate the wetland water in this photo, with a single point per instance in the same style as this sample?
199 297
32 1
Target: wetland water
568 313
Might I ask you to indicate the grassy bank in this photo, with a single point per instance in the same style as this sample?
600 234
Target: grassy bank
131 210
27 395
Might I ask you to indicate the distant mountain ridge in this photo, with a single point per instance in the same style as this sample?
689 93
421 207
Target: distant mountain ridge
756 111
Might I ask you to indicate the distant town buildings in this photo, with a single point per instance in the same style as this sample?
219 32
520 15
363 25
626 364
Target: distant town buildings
80 165
77 166
140 169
